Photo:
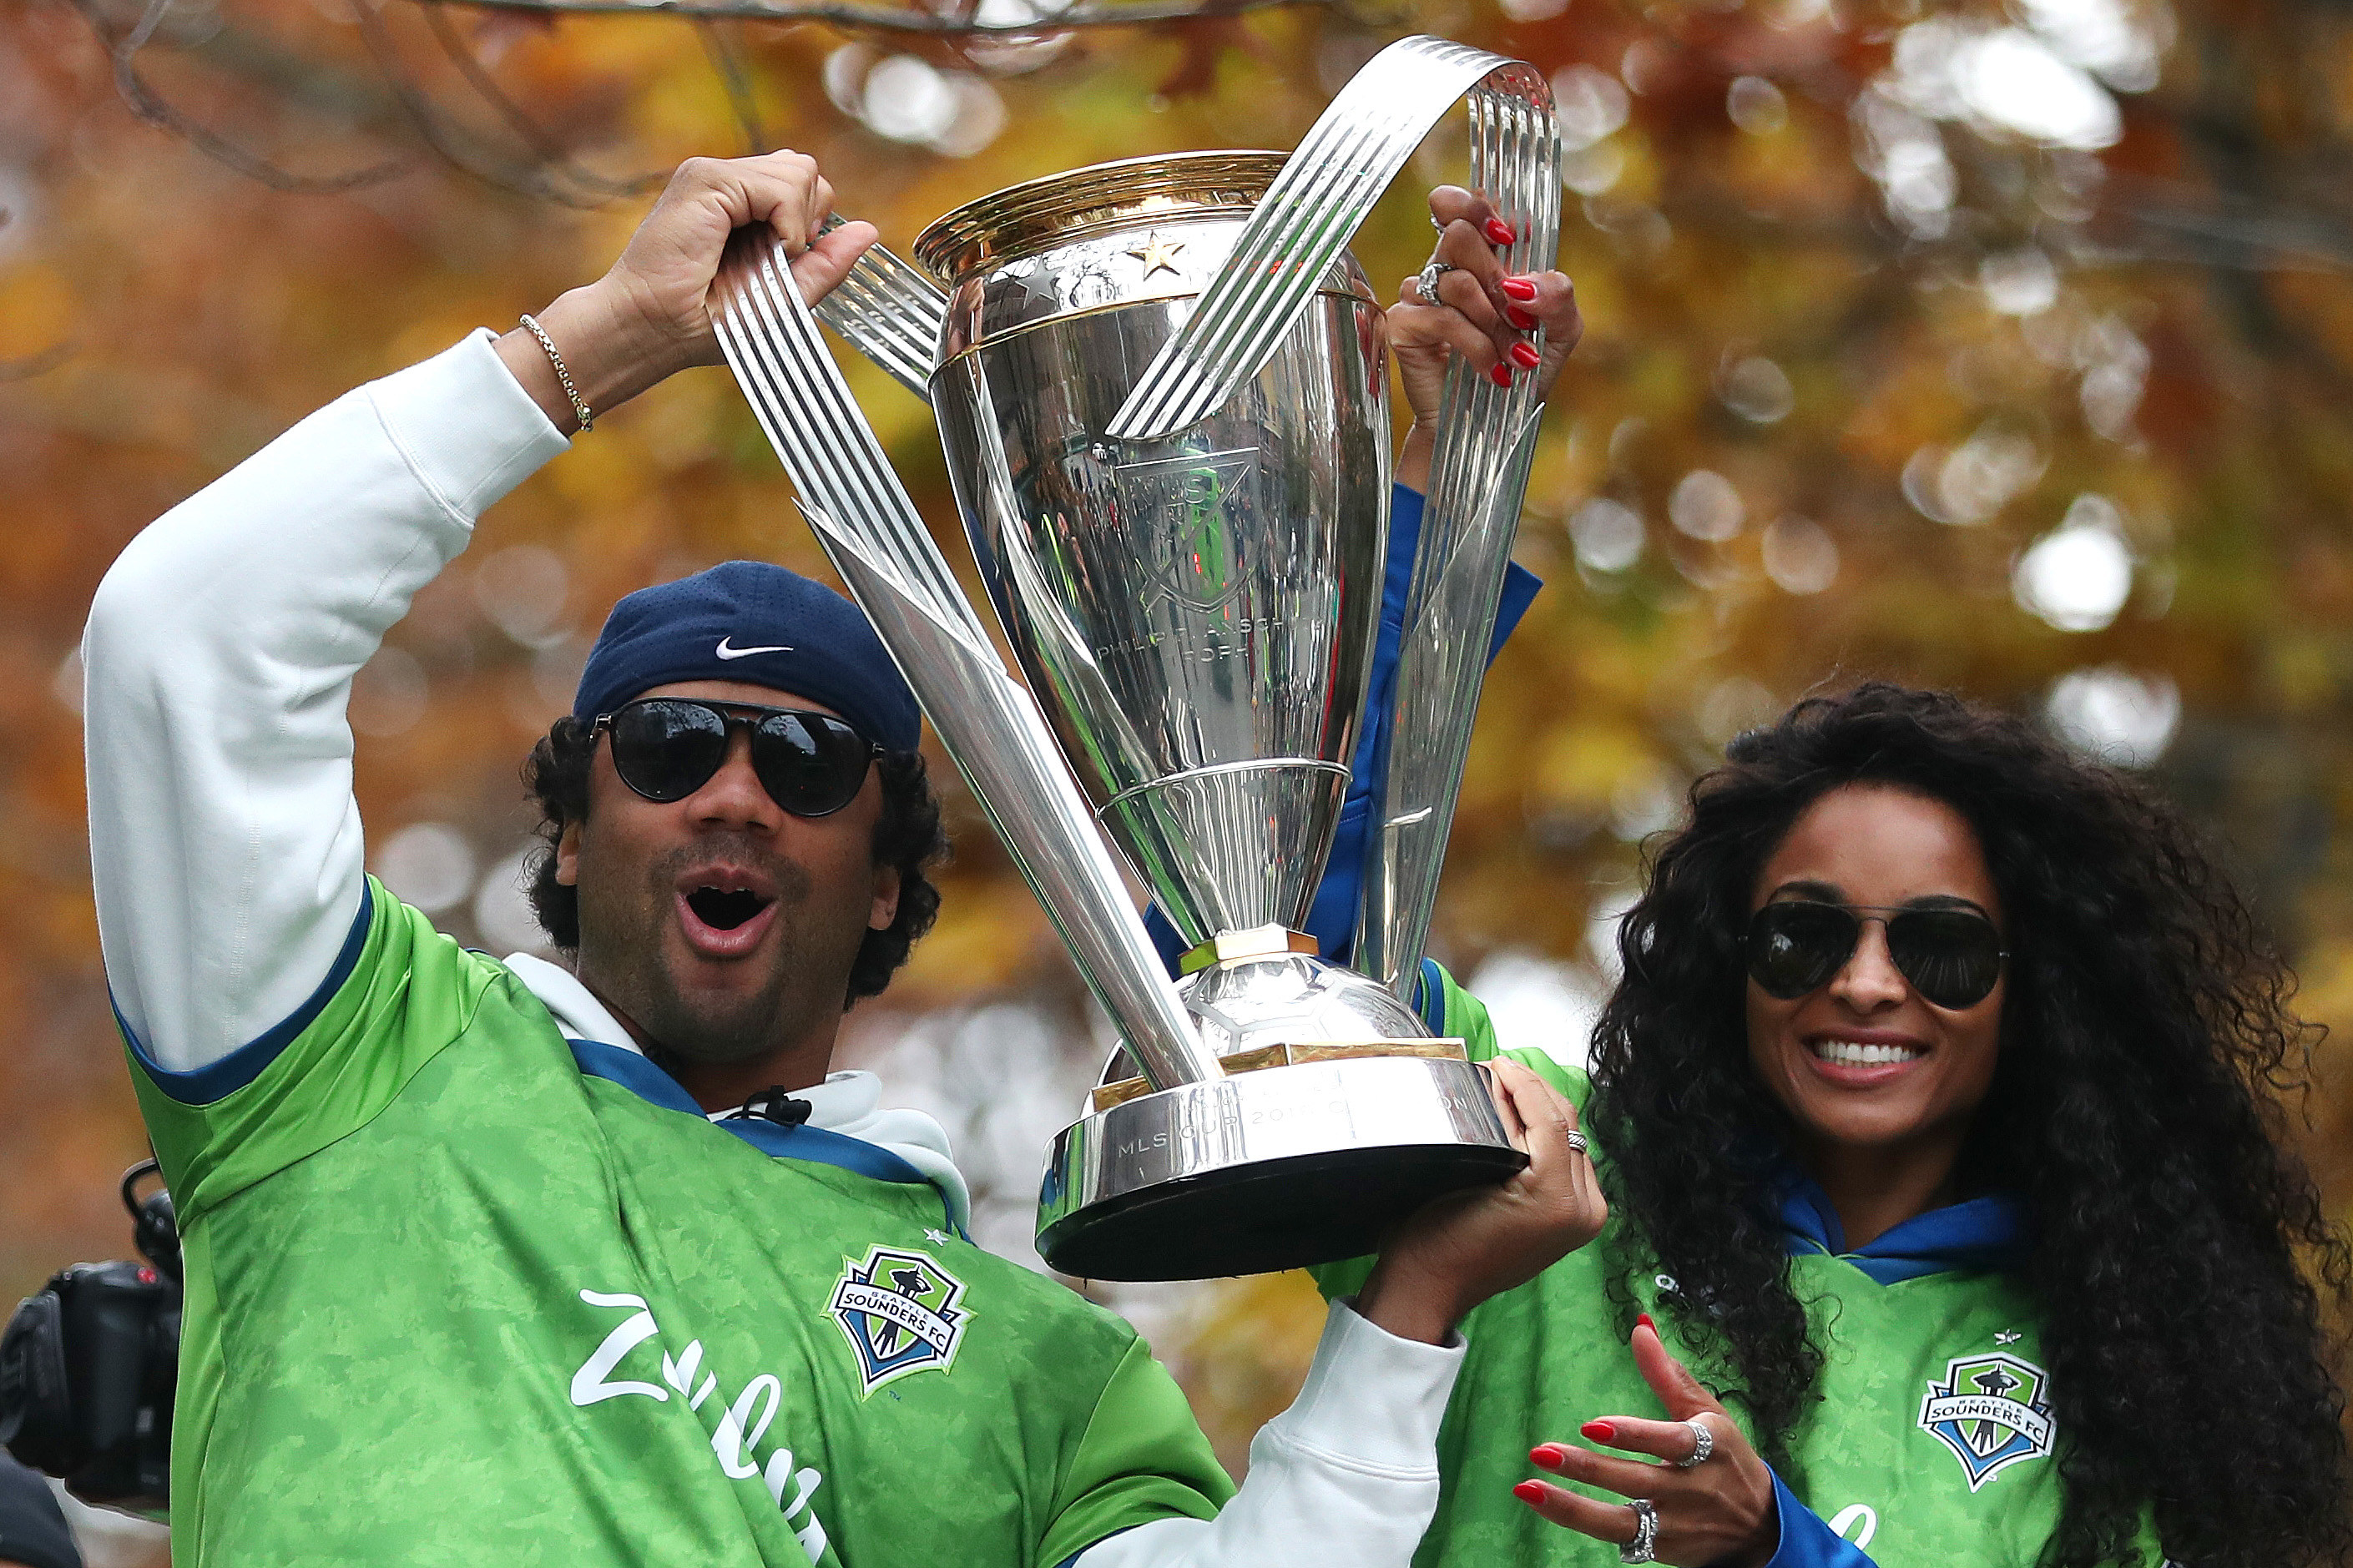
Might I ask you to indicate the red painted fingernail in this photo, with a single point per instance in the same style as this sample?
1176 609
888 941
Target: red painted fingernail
1519 318
1525 355
1501 374
1519 288
1529 1491
1500 232
1548 1454
1643 1322
1600 1431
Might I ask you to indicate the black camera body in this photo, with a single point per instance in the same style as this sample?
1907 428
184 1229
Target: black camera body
88 1367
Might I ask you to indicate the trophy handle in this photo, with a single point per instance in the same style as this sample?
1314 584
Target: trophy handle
1485 434
990 724
1450 626
890 311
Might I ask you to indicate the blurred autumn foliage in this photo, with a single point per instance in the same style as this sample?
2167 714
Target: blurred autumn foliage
2004 347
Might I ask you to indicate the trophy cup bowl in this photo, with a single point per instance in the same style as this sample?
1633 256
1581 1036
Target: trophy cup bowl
1195 616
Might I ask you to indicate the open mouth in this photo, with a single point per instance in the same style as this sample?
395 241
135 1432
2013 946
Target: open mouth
725 908
725 914
1854 1054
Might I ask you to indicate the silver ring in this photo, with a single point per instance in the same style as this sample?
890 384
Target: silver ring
1643 1548
1577 1141
1426 284
1703 1444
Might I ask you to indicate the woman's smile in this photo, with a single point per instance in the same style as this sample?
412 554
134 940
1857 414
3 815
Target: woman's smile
1864 1064
1864 1058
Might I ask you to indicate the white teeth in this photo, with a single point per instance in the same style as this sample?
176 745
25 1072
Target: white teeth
1846 1053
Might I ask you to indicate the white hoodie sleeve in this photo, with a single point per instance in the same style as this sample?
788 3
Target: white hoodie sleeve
225 844
1349 1474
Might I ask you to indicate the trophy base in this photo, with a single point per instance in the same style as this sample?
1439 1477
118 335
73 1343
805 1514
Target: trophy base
1268 1170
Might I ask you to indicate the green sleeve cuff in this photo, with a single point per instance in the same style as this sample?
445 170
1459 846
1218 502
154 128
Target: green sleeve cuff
1143 1457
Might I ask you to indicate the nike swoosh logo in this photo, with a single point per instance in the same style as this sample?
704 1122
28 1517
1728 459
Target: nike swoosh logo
726 650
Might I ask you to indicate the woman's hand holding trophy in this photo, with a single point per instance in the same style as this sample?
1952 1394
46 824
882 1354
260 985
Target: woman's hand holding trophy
1465 303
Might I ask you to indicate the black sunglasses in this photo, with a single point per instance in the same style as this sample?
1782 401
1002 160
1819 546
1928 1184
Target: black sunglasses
666 748
1951 957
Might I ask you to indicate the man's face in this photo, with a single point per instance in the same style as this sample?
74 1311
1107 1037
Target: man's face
722 926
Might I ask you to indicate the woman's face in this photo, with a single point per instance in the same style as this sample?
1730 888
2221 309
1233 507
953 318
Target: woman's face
1876 845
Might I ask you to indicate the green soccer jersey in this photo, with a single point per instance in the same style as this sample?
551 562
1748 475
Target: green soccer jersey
1930 1446
461 1291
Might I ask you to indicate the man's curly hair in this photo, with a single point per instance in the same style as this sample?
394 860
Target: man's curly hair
2147 1041
907 836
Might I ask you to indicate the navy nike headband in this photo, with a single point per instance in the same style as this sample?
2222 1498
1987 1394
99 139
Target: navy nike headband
758 622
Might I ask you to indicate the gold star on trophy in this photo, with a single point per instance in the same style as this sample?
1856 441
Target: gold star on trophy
1158 255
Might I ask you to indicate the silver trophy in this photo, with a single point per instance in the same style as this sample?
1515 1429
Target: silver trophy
1164 397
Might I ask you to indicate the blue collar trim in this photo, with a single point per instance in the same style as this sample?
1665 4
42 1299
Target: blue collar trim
815 1144
1983 1234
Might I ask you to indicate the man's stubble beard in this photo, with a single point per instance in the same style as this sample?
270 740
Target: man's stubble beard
626 934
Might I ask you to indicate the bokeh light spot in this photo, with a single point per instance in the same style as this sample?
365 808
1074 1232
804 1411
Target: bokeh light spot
2018 282
1591 171
502 911
1734 707
2113 715
1800 556
522 589
428 863
907 100
1589 104
2078 576
1755 105
1539 1003
1758 391
1705 506
389 694
1608 534
2010 80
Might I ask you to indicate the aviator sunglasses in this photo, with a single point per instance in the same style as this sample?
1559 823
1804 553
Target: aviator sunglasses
1951 957
666 748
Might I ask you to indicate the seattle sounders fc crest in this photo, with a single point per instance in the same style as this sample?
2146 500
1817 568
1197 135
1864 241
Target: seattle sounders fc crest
1992 1410
897 1311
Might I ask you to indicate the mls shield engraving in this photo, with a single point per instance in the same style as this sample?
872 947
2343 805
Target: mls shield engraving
1180 506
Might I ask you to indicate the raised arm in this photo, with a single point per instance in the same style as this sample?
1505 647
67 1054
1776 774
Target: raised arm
224 845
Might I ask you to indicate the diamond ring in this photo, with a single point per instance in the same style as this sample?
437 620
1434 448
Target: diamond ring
1643 1548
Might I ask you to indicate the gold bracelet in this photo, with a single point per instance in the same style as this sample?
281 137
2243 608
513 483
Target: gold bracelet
579 408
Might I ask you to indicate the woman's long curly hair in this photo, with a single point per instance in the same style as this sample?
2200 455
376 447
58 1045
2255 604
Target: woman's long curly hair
2136 1109
907 836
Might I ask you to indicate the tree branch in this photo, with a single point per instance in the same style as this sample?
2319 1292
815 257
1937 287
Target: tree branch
528 130
41 363
870 15
143 102
442 132
719 43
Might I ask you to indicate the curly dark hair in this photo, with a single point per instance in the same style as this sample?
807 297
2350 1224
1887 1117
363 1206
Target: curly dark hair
2146 1044
907 836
